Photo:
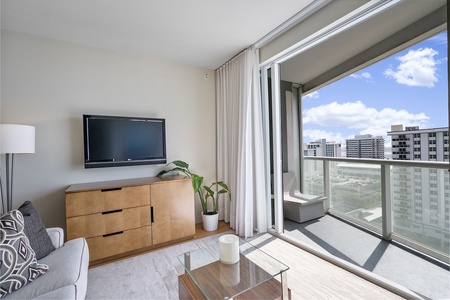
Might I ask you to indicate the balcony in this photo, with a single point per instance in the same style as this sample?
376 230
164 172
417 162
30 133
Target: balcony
388 260
397 213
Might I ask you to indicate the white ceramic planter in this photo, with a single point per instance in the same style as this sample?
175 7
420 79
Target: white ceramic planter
210 222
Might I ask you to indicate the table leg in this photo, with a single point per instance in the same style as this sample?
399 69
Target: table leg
284 287
187 261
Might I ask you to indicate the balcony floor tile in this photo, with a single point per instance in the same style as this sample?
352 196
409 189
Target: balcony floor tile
350 243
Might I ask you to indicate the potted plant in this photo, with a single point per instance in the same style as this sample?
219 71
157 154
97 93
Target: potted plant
214 190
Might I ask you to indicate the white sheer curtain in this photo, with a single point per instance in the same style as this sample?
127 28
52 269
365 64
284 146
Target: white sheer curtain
240 146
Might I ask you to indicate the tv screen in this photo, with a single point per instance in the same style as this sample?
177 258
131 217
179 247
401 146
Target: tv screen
112 141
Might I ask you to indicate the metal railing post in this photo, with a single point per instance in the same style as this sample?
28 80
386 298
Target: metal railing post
386 202
326 183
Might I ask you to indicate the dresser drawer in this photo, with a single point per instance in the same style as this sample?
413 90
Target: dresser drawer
83 203
118 243
107 222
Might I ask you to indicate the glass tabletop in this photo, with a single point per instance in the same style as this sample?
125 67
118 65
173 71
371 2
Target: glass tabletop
217 280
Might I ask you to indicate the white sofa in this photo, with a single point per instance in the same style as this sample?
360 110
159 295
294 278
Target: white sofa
300 207
67 274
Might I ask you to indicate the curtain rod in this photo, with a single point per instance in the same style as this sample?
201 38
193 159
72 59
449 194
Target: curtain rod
231 59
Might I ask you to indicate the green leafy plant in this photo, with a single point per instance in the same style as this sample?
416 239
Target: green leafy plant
204 192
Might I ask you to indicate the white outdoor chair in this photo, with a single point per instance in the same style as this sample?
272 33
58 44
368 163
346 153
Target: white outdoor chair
300 207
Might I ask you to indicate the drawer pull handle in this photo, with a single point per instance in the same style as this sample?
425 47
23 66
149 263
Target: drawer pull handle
152 219
111 189
110 234
111 211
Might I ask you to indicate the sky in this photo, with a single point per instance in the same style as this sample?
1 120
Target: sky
409 88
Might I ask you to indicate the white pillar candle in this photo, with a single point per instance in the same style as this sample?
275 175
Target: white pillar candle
229 249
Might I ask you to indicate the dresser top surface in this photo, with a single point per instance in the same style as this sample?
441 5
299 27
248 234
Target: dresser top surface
92 186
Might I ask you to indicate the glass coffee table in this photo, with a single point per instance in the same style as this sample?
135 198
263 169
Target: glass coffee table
252 277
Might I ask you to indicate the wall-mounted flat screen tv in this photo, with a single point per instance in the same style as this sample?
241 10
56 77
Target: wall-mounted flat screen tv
113 141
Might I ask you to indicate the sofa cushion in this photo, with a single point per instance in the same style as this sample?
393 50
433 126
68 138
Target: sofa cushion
35 230
18 264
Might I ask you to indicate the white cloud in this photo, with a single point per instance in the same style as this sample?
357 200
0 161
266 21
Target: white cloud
313 95
363 75
357 115
416 68
317 134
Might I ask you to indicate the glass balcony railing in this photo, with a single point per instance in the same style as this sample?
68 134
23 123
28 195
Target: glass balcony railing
406 201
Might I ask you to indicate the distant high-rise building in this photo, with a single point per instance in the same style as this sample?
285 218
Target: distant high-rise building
419 144
319 148
421 196
322 148
365 146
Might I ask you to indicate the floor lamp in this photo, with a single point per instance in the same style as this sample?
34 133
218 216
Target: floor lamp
14 139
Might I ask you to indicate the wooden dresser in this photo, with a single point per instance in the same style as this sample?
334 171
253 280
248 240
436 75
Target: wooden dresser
123 217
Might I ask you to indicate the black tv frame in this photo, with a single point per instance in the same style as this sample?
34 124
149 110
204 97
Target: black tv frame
111 163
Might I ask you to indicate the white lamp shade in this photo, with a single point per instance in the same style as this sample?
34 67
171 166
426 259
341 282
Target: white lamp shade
16 138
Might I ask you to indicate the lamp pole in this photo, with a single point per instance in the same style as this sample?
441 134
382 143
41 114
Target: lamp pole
9 179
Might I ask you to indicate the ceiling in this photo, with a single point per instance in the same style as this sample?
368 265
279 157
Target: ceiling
207 33
200 33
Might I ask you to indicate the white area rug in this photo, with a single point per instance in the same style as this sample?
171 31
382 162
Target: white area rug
152 275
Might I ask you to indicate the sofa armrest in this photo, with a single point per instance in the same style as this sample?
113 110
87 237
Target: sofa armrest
57 236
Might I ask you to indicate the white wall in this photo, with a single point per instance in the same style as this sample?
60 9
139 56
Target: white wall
50 84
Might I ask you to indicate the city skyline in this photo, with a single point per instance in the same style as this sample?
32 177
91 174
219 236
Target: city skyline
408 88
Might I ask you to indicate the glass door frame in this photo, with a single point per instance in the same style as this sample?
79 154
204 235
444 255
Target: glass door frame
277 192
